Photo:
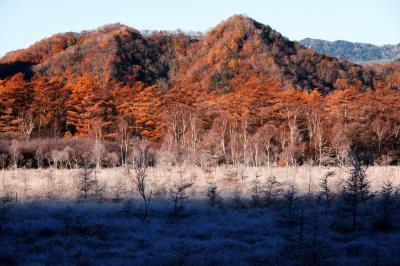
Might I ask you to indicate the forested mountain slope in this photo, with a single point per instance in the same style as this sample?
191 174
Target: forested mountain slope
240 80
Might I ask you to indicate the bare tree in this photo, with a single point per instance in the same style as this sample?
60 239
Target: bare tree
39 155
244 125
283 141
194 130
233 142
119 189
291 113
325 187
15 151
74 161
139 177
315 129
221 128
382 131
341 146
98 152
124 139
177 195
178 124
267 133
3 161
3 164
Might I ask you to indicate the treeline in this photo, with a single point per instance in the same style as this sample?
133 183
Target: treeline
260 124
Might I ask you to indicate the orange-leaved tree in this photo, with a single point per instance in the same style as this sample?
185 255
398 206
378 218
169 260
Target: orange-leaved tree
15 107
140 108
89 112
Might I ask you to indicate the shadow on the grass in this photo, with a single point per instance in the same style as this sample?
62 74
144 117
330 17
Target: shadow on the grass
302 230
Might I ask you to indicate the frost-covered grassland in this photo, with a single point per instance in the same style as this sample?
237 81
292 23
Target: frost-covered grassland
60 184
240 226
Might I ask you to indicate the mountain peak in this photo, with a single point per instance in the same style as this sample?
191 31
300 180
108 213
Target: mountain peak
238 18
243 22
237 48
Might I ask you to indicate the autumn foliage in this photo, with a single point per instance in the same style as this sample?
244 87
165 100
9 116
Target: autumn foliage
241 93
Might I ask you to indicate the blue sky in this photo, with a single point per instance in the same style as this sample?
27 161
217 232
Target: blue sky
23 22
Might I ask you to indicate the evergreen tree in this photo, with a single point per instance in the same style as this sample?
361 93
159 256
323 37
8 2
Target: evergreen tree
356 189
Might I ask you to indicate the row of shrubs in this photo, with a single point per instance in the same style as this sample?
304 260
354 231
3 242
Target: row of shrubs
65 153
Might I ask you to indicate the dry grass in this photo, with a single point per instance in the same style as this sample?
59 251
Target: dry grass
57 229
61 183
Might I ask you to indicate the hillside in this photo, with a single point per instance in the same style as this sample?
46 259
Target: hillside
356 52
186 92
117 53
240 47
113 53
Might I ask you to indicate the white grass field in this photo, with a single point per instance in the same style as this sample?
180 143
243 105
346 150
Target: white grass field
48 226
33 184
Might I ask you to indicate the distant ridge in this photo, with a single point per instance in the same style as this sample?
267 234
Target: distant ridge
354 51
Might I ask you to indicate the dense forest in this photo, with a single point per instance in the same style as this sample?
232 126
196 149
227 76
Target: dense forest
241 93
